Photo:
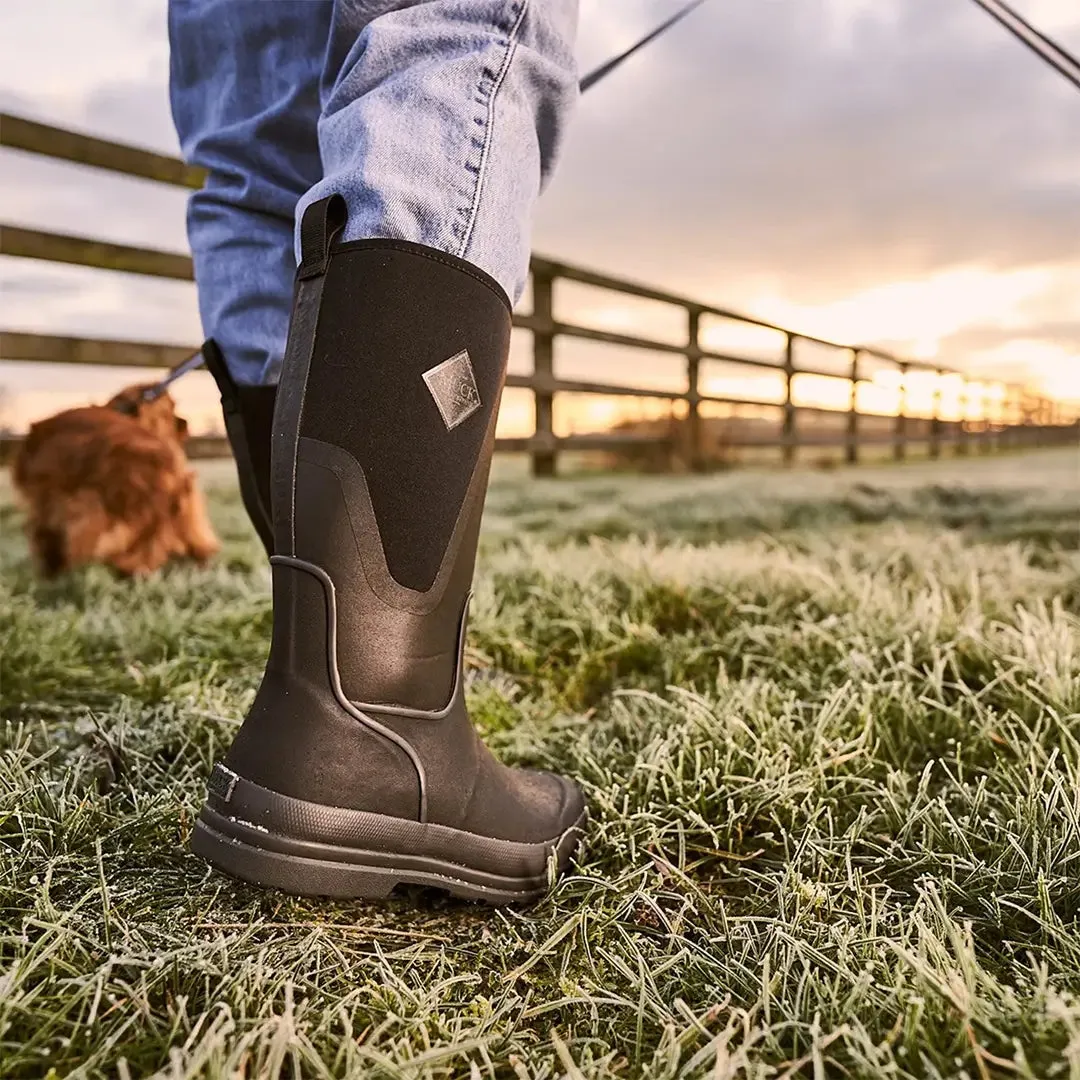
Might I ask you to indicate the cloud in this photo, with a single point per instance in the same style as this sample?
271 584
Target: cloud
134 111
757 144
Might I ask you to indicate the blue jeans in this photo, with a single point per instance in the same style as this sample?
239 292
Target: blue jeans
437 120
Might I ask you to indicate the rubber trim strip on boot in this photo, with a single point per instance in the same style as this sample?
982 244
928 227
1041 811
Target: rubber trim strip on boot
335 680
331 648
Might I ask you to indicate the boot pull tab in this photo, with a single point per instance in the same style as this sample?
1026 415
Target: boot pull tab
321 223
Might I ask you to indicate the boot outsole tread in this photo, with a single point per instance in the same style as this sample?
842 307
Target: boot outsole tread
267 855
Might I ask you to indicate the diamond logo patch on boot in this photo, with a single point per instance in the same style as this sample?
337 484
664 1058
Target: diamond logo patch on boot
453 386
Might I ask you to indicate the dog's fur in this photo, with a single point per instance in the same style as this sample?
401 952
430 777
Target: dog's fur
100 485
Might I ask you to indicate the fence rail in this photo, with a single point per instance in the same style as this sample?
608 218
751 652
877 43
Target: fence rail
1011 417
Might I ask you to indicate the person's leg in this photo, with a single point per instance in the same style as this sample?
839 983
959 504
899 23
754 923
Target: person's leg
357 768
244 88
441 121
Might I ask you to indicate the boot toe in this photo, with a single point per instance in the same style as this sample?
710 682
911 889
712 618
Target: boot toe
524 805
572 807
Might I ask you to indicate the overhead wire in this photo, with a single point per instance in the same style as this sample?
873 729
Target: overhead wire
1044 46
609 66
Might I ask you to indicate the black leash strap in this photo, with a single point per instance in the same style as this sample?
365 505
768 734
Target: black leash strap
152 393
606 69
192 363
1058 57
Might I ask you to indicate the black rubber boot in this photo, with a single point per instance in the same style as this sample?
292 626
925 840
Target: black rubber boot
357 768
249 416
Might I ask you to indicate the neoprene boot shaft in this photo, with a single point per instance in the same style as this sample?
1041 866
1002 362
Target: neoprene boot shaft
249 414
357 767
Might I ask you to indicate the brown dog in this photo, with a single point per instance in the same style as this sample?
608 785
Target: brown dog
111 484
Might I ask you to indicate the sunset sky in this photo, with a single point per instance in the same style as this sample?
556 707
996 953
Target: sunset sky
891 172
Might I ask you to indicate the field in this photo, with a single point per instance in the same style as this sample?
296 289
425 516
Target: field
829 728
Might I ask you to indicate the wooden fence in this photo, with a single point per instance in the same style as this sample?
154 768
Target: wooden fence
1007 415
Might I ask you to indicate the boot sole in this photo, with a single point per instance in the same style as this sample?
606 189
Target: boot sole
307 849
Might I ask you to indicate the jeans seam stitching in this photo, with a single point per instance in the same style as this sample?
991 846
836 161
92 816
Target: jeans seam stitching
481 172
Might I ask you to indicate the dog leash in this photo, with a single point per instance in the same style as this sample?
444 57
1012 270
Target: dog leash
152 393
1042 45
609 66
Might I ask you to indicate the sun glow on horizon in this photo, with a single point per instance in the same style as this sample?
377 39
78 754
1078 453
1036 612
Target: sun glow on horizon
913 318
916 318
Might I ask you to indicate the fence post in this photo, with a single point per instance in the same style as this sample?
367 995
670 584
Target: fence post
851 452
788 434
543 458
1037 422
961 424
900 425
1014 417
694 432
935 417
